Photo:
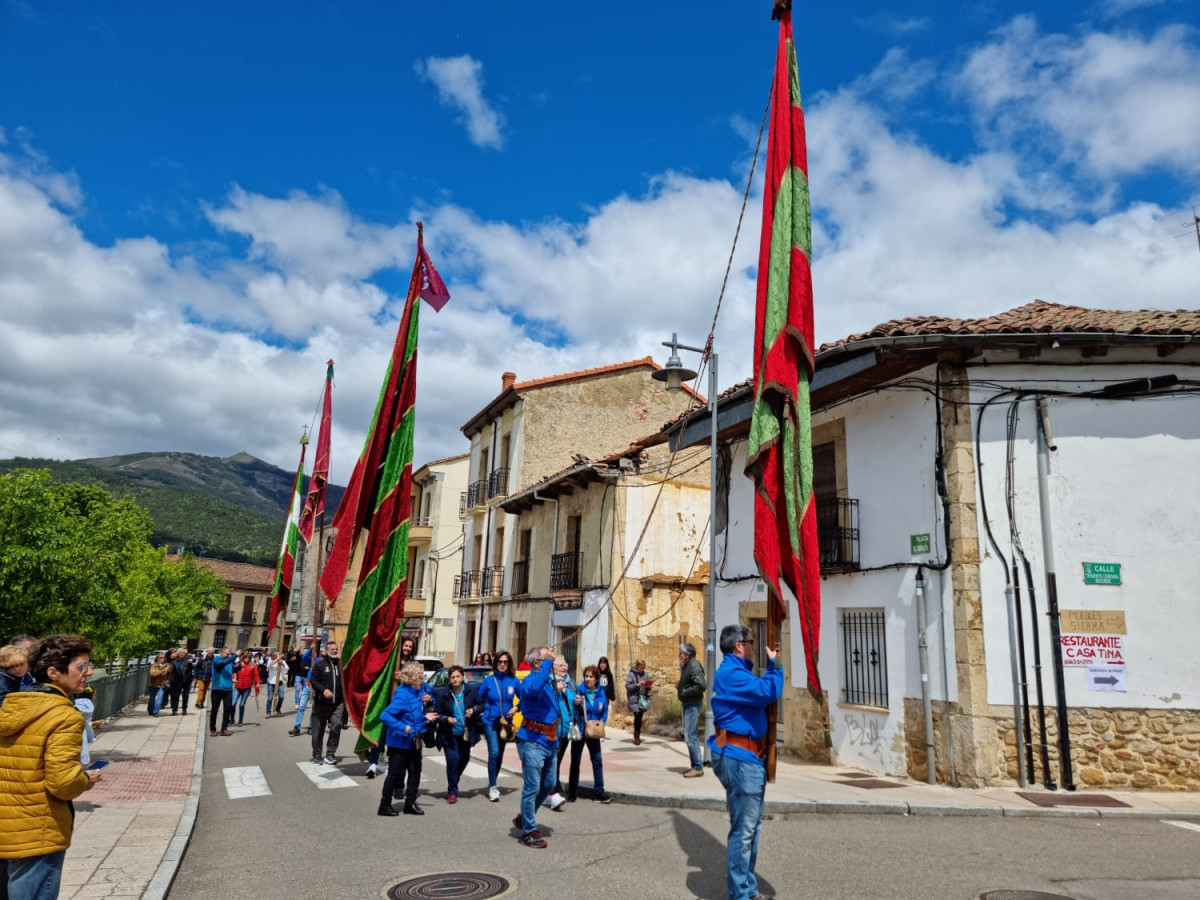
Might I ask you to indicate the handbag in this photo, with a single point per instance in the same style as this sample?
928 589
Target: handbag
643 702
594 728
574 734
504 729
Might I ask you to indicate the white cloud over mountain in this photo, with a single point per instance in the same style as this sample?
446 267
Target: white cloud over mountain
138 345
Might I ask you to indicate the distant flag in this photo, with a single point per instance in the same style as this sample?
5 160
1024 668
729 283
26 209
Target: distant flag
314 503
779 454
281 593
378 500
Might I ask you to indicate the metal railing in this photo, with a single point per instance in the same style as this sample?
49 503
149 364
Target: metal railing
248 619
520 578
463 506
564 571
224 615
117 690
417 593
477 493
837 534
422 521
864 657
498 483
493 581
466 585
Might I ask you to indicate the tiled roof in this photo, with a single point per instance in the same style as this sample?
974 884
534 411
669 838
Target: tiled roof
1037 317
585 373
445 459
235 572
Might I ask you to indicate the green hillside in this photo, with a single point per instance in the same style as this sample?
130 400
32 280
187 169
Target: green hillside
231 508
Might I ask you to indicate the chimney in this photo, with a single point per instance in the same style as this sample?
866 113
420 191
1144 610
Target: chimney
507 380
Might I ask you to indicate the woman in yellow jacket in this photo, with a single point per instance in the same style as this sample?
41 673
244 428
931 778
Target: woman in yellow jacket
41 735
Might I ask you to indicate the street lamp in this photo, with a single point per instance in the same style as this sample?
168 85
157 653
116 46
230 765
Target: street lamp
674 374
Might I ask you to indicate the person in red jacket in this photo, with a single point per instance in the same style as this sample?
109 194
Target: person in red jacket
245 680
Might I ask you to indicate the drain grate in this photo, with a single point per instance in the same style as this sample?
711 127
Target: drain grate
1054 798
870 783
1022 895
450 886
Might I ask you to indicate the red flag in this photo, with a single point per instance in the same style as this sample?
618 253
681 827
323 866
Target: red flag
378 499
779 452
314 503
281 593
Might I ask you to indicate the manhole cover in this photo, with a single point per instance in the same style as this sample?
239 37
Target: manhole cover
1022 895
450 886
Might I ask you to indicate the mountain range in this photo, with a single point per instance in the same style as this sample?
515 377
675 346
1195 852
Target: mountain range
230 508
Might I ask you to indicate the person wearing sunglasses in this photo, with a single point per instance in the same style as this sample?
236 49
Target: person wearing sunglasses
739 750
41 737
498 694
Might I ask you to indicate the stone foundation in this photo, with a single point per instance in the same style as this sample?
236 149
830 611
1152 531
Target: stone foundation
803 727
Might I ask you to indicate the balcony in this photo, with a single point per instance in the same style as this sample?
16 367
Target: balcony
248 619
498 484
837 534
463 506
466 585
493 581
420 530
520 578
224 615
564 571
477 494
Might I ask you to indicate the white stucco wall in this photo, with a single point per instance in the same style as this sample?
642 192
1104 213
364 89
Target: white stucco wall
1124 487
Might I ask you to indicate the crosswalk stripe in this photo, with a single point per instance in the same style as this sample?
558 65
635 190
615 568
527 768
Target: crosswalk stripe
473 770
245 781
326 777
1191 826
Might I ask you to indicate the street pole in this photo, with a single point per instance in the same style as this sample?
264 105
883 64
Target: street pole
710 639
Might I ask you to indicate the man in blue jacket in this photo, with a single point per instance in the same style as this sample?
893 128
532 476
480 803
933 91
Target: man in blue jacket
739 751
222 690
537 741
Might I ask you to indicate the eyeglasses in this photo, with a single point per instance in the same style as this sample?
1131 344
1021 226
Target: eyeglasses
747 641
84 667
503 662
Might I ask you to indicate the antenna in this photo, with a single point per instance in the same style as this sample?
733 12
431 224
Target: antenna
1188 226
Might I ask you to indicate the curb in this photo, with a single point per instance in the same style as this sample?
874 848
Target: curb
164 875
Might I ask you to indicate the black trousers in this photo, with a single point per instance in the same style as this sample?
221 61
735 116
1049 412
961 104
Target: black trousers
329 715
403 774
216 700
180 690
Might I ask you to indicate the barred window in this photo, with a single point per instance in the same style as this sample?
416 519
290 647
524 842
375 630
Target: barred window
864 657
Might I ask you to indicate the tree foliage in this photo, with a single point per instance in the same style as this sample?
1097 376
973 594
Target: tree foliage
73 558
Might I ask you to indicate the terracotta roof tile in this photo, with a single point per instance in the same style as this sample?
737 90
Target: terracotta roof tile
1040 316
235 572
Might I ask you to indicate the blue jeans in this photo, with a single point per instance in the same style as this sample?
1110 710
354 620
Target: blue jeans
301 702
691 721
240 696
539 765
745 785
35 877
458 754
495 752
154 703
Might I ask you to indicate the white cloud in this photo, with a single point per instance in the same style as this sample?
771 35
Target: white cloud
459 83
1114 8
1113 104
886 23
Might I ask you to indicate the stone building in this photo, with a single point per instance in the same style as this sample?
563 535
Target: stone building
634 588
241 622
528 431
925 456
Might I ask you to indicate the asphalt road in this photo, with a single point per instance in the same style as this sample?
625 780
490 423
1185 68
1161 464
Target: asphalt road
303 841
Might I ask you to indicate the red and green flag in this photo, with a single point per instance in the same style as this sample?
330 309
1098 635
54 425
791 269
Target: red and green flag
314 503
779 454
377 501
281 593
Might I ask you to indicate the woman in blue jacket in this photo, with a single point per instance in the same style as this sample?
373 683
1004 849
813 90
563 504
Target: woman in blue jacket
592 704
405 720
458 710
498 694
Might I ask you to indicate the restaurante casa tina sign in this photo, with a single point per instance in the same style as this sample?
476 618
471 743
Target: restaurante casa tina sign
1101 573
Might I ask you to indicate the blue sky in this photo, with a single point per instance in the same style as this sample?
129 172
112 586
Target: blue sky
201 202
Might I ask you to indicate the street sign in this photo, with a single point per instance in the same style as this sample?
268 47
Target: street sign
1101 573
1092 621
1092 650
919 543
1106 678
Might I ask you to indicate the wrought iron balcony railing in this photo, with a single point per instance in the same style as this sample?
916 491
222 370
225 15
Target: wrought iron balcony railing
224 615
520 578
498 483
422 521
564 571
837 534
493 581
477 494
466 585
463 505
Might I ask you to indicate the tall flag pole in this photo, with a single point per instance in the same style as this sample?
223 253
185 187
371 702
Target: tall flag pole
779 453
281 593
378 500
314 503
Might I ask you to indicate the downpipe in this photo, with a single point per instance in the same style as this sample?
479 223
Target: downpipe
923 656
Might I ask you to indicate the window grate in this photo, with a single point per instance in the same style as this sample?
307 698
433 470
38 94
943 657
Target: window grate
864 657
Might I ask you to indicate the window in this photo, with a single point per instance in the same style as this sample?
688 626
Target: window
219 638
837 514
493 635
469 646
520 640
864 657
568 647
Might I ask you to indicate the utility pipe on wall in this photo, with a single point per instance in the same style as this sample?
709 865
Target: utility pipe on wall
923 657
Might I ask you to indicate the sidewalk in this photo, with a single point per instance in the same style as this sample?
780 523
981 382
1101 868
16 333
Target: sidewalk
132 829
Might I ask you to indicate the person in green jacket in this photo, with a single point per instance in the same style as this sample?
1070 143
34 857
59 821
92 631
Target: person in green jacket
691 690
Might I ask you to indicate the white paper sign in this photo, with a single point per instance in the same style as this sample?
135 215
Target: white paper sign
1106 678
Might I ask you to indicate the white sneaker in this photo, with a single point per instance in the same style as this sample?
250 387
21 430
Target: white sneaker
494 794
556 801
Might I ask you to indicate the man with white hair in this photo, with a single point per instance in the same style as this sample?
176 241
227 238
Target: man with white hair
537 741
691 690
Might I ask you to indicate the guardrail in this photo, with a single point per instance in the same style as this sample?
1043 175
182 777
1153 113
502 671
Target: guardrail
119 690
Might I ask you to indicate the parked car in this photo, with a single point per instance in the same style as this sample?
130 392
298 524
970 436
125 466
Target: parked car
471 675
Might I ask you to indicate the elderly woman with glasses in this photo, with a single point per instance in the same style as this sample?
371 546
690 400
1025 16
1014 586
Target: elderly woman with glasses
498 694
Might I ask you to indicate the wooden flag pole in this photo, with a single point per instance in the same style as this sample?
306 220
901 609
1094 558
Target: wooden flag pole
773 709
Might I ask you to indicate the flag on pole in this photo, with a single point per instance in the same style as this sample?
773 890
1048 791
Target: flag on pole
779 453
314 503
377 500
281 593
